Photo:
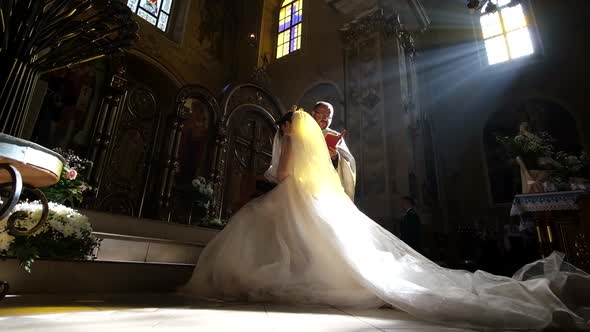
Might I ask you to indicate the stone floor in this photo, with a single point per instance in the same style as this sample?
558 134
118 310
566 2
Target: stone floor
176 313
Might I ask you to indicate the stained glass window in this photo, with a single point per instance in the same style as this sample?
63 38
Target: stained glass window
290 24
506 32
157 12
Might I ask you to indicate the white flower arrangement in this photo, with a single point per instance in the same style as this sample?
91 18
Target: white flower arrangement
203 192
215 223
66 235
5 239
202 186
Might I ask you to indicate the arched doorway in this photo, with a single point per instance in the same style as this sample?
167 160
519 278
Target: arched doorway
128 182
542 116
246 132
187 153
325 91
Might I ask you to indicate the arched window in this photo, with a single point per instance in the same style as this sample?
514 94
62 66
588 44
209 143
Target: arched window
290 24
157 12
542 116
505 31
325 91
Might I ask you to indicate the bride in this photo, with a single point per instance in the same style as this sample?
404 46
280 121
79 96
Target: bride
306 242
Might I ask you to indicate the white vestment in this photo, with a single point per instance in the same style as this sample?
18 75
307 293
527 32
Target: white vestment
346 166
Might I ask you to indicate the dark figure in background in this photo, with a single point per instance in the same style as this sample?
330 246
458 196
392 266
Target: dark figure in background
410 228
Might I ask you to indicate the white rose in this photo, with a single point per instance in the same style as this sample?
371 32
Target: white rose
5 241
3 224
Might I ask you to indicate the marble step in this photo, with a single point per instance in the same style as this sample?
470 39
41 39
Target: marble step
67 277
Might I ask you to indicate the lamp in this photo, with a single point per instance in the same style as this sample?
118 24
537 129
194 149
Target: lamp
252 39
473 4
490 5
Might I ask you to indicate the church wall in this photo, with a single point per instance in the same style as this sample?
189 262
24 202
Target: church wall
461 94
457 91
318 61
200 51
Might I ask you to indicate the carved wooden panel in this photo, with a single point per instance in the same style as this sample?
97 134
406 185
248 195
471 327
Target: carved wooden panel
251 133
195 120
573 243
243 146
563 231
125 178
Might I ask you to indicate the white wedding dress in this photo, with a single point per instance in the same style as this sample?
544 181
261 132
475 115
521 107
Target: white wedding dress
306 242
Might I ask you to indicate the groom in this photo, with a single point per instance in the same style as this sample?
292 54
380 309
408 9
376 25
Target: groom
342 159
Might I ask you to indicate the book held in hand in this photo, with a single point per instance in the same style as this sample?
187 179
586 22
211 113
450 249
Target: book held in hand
333 139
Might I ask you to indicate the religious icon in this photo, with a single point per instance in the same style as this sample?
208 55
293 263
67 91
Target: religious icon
151 6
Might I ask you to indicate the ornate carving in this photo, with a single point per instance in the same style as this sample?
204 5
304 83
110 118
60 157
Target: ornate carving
378 21
141 103
8 202
407 41
250 94
108 113
260 75
12 222
125 165
172 195
259 101
90 30
370 99
201 93
9 198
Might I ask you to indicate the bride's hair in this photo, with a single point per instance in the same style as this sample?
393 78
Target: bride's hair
287 117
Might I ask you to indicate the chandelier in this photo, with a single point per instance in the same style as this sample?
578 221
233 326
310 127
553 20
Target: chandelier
489 6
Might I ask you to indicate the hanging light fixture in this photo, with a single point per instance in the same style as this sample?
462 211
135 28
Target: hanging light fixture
475 4
491 6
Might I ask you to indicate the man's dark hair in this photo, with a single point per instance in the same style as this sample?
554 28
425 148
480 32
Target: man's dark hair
287 117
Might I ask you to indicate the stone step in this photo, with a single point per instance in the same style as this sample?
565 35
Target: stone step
135 255
67 277
126 248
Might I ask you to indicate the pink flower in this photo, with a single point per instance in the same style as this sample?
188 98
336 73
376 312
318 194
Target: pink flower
71 174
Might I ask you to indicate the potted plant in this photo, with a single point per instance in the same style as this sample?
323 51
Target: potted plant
71 187
67 234
534 154
572 171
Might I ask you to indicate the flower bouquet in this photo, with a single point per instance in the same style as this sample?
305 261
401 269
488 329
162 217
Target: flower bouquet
67 234
202 192
542 168
71 186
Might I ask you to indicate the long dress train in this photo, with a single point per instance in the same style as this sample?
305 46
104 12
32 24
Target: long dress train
306 242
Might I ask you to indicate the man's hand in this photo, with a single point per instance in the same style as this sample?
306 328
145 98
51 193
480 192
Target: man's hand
333 153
